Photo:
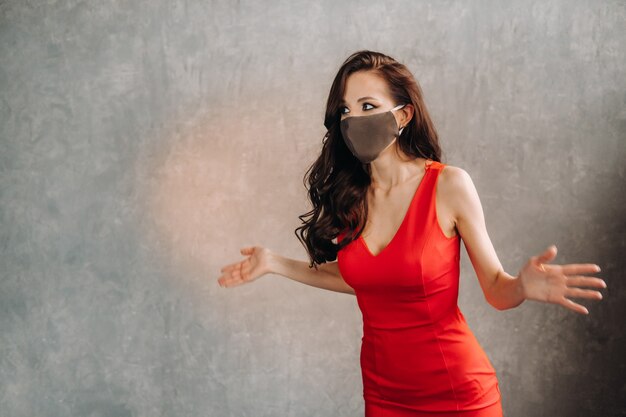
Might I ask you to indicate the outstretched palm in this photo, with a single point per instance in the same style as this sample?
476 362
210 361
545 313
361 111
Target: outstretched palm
554 283
247 270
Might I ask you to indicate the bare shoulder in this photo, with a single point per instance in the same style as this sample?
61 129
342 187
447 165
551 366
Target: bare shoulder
454 178
456 189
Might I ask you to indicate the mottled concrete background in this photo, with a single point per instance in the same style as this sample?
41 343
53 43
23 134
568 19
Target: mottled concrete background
143 143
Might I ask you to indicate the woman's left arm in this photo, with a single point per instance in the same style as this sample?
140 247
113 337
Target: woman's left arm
536 280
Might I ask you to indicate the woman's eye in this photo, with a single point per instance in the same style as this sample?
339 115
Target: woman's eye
341 111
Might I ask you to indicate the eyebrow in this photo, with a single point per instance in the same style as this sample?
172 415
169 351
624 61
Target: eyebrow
361 99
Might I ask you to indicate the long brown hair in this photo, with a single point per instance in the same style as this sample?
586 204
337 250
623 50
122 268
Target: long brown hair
337 180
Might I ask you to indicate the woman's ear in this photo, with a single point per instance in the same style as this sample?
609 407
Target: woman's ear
403 115
407 114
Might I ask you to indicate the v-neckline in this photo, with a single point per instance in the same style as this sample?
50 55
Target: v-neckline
404 220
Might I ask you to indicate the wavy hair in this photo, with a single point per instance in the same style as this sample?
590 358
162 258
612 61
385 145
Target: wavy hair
337 180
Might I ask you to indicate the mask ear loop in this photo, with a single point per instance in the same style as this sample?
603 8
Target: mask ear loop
399 106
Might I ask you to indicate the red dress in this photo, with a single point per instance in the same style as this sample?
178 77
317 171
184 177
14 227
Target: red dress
418 354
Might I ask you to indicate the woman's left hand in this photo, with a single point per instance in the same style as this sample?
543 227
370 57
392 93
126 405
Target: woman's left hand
554 283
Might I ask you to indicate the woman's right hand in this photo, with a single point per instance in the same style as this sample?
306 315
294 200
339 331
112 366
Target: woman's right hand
255 265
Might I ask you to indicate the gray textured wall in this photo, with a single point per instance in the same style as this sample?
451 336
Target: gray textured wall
142 143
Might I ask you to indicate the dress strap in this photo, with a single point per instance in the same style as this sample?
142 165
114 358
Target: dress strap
432 163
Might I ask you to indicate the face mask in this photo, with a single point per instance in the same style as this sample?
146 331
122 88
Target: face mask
367 136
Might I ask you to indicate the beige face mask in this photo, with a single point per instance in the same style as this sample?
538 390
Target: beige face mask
367 136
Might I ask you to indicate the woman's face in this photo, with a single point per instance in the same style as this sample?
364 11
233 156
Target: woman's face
366 93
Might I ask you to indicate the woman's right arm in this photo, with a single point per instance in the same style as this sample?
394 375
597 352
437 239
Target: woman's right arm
260 261
327 276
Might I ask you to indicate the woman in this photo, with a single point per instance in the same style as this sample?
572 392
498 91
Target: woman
393 216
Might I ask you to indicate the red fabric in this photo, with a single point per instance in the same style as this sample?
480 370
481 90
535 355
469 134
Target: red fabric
418 355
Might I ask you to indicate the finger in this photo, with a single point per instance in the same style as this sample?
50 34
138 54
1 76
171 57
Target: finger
226 279
583 281
580 293
577 269
231 283
547 255
246 269
226 282
233 272
229 267
574 306
233 279
247 251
